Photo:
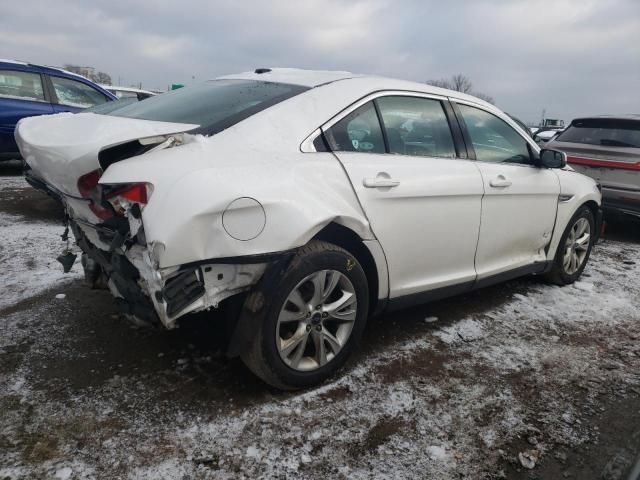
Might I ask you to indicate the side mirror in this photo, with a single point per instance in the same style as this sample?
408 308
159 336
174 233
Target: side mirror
552 158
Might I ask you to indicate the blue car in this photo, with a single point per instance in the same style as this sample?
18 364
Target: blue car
27 90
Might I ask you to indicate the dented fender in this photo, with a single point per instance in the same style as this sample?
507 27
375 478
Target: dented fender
213 200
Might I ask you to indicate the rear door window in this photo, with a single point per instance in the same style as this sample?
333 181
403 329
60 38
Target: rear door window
607 132
21 85
359 131
416 126
76 94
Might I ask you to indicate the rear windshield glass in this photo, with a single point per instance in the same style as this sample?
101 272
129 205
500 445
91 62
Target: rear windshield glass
214 105
608 132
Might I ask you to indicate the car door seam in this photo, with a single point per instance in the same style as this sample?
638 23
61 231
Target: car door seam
555 221
364 214
484 192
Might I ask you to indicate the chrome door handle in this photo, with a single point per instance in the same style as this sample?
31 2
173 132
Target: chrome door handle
379 183
500 182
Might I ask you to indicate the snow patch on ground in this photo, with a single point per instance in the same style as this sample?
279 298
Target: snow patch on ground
28 254
432 420
466 330
9 186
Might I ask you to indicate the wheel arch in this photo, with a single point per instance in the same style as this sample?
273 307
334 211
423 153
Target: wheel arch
377 275
593 206
566 216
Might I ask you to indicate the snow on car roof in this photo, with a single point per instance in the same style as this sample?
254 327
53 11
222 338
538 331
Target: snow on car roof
67 72
17 62
316 78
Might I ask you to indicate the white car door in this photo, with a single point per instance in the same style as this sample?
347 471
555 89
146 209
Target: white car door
422 200
521 199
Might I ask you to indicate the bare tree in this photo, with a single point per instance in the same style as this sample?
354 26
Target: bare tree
442 83
460 83
103 78
483 96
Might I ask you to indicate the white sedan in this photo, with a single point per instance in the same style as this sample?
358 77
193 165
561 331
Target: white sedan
305 201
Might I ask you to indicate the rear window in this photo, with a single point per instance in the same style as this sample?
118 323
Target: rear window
21 85
607 131
214 105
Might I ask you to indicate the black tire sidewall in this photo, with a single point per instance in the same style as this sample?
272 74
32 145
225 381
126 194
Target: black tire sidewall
583 212
320 260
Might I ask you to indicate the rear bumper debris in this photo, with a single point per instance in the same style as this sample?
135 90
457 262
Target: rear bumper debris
157 295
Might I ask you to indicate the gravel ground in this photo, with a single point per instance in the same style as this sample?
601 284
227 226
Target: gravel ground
522 380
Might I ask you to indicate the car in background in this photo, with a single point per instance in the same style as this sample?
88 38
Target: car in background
129 92
547 130
27 90
543 135
301 201
606 148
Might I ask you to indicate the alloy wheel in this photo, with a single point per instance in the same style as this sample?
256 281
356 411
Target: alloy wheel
577 246
316 320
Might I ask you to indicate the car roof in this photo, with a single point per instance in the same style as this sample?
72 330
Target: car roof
626 116
292 76
318 78
44 67
16 62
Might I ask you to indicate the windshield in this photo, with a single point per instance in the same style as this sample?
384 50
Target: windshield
214 105
609 132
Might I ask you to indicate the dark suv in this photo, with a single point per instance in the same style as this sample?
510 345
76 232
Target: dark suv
607 149
27 90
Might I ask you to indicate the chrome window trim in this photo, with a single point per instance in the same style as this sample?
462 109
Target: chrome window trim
307 144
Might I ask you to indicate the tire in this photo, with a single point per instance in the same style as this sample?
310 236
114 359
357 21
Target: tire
561 273
279 323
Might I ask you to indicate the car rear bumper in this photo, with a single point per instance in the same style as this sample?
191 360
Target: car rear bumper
153 294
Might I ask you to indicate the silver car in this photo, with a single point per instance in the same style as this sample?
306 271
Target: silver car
607 148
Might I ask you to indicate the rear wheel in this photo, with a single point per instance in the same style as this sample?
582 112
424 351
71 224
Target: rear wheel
313 321
574 248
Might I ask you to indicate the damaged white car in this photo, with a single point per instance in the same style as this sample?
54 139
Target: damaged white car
310 199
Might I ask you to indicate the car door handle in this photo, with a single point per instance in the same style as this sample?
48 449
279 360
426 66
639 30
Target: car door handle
380 182
500 182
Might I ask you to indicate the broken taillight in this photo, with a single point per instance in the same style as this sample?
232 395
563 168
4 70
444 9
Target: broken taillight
90 189
124 196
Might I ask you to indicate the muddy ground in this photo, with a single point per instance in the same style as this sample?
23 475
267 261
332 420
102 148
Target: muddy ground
522 380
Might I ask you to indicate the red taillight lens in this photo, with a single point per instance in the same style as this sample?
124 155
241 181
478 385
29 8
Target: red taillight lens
123 196
134 193
90 189
595 162
87 183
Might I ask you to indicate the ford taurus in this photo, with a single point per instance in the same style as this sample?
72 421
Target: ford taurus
311 200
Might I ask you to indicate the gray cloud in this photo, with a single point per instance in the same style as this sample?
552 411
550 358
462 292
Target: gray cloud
572 57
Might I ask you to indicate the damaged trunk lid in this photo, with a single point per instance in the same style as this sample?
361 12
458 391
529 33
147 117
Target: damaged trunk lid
60 149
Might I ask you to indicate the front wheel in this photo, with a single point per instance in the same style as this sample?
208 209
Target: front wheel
574 248
313 321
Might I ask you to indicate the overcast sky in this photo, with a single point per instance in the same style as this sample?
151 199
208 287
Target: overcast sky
571 57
